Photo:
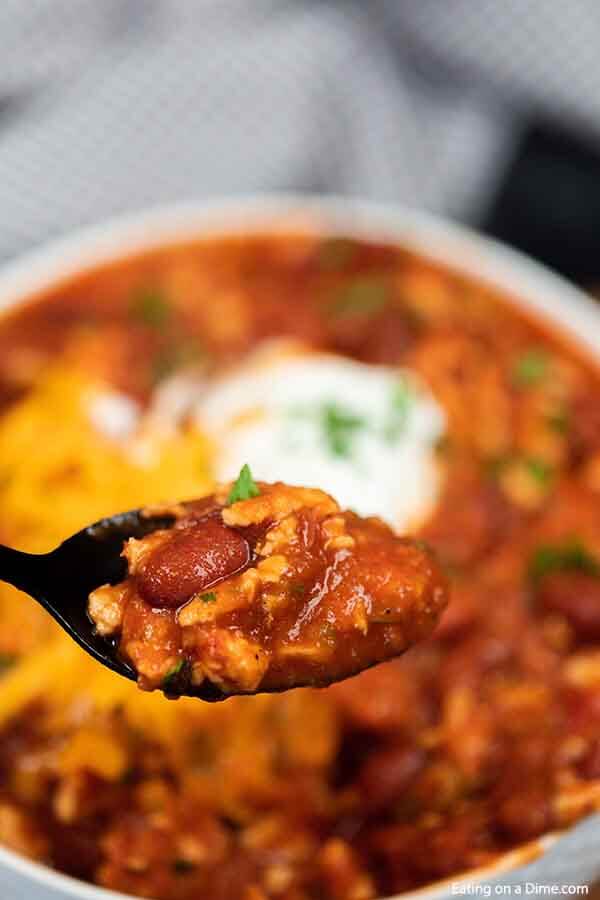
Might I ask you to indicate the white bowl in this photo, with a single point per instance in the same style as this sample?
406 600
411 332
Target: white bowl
528 284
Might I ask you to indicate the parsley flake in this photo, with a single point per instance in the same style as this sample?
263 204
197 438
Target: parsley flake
494 466
558 422
335 253
402 400
151 308
363 296
176 679
209 597
539 469
6 661
244 487
530 368
339 427
570 556
176 356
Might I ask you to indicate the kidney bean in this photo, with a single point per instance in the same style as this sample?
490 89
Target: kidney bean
526 812
590 764
190 561
583 710
380 338
584 425
470 519
576 596
391 334
387 774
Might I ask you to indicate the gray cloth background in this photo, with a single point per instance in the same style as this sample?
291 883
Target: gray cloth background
111 105
107 106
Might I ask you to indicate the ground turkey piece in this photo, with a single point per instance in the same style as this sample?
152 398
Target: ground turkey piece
276 590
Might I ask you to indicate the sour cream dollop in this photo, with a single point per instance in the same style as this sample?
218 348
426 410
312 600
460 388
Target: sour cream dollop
364 433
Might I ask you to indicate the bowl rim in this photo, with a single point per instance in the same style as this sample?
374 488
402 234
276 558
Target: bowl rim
527 284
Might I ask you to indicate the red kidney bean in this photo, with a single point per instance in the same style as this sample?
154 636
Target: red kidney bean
590 764
380 339
584 425
576 596
387 774
190 561
526 813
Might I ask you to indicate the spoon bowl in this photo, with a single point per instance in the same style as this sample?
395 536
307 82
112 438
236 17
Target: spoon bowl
62 580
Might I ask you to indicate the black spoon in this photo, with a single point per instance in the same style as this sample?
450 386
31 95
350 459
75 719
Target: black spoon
62 580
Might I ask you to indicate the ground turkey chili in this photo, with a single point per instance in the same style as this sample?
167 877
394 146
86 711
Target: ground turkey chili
267 587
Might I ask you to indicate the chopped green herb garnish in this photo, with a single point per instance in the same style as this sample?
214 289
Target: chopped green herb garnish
571 555
177 678
363 296
243 488
298 589
530 368
183 866
539 469
162 366
495 465
339 428
424 546
176 356
209 597
401 402
151 307
558 422
175 670
337 425
335 253
6 661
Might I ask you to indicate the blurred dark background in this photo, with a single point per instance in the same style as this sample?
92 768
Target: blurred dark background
548 201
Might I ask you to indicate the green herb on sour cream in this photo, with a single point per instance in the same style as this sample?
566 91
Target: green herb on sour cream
401 402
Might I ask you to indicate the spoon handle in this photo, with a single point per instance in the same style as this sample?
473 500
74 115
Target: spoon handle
24 571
